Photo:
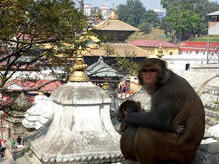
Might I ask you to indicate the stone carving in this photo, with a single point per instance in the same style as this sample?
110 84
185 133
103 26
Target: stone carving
39 113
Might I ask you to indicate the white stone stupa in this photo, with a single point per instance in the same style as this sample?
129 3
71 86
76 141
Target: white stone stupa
81 130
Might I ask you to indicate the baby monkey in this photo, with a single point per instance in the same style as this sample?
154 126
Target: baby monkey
130 106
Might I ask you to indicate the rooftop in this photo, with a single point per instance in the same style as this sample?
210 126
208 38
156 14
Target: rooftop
18 84
152 43
114 24
101 69
117 50
214 13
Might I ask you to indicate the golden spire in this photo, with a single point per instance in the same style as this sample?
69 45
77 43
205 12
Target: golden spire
79 75
160 52
113 15
106 85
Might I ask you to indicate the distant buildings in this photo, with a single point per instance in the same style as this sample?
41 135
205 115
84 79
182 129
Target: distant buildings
105 11
160 13
91 12
198 48
88 10
154 47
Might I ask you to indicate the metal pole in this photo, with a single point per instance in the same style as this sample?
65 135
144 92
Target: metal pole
1 116
208 49
1 127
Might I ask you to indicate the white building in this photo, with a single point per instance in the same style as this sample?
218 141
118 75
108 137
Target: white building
105 11
87 9
160 13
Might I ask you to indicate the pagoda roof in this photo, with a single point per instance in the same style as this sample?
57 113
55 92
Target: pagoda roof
119 49
214 13
153 43
101 69
115 25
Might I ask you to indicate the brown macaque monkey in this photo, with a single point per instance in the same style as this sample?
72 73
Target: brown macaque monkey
152 137
128 133
127 107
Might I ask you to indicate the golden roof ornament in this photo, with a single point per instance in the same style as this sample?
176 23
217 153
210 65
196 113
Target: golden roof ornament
40 93
160 52
106 85
113 15
79 75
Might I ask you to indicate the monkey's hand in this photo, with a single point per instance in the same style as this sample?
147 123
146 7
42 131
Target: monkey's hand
179 129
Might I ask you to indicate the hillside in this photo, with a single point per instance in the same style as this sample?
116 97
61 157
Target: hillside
158 34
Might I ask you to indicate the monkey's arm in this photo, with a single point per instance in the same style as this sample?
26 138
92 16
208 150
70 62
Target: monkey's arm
158 118
141 119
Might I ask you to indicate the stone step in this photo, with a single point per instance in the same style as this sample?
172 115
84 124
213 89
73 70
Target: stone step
211 90
209 97
214 113
211 122
212 117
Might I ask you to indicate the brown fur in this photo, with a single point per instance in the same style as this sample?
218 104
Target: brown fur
172 102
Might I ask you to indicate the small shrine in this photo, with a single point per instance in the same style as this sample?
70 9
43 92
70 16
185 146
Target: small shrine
80 130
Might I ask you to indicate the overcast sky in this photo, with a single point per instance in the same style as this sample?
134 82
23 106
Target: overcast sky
148 4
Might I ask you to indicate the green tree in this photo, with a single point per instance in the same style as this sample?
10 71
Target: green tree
185 18
145 27
152 18
26 26
132 12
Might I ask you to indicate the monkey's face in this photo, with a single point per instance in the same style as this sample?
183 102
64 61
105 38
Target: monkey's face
149 75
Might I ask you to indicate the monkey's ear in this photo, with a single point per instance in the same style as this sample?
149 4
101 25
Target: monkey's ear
139 106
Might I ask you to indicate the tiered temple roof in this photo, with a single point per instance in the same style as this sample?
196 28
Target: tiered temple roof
115 25
119 49
115 29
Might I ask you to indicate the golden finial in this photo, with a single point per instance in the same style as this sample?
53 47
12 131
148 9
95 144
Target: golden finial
113 15
79 75
105 85
160 52
40 93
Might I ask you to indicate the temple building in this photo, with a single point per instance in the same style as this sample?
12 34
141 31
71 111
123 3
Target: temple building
114 29
116 32
154 46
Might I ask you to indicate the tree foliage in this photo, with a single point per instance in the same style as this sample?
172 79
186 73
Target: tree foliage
185 18
151 17
132 12
28 26
127 64
145 27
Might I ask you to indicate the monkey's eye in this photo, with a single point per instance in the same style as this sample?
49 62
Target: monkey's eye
149 70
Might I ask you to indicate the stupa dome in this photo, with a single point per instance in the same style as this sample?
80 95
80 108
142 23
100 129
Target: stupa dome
79 93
